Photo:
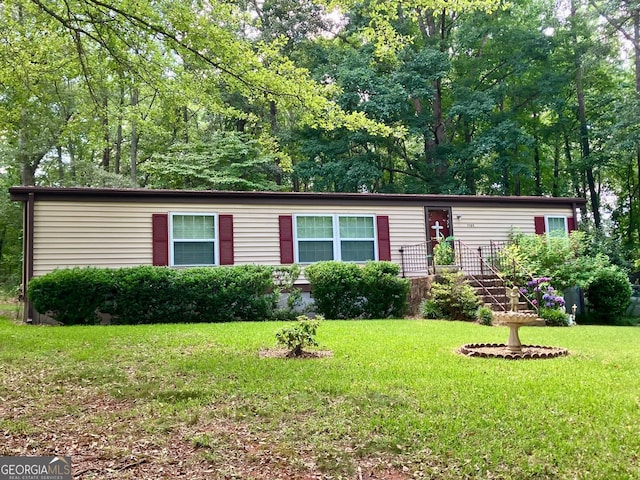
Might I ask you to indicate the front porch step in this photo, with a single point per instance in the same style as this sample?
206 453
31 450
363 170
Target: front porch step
501 308
493 293
490 281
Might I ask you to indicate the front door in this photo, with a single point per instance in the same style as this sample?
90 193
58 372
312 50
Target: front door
438 228
439 224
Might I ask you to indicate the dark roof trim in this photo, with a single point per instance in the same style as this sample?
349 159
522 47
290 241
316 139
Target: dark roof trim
206 196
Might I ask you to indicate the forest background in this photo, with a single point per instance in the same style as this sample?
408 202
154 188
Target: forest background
531 97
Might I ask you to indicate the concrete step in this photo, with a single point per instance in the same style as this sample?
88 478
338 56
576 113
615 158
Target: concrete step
494 282
499 308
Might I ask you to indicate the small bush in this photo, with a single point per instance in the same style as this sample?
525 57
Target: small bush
431 309
346 290
284 279
336 288
384 292
484 315
554 317
609 294
299 335
443 252
453 297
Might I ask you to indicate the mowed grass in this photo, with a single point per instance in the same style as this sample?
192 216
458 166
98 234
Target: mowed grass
394 391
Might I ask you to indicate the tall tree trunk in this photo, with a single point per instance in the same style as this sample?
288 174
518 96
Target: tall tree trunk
27 170
106 152
555 188
118 155
437 134
469 171
575 185
60 163
117 161
134 136
517 188
594 198
506 185
632 217
273 116
72 161
185 122
27 167
537 174
636 50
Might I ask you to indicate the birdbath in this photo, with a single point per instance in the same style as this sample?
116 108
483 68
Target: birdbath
515 320
513 349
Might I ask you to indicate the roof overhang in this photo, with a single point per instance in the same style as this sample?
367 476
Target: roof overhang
79 194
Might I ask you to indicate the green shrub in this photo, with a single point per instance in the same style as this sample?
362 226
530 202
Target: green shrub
145 295
484 315
346 290
299 335
202 294
452 296
156 294
443 252
335 288
72 296
564 260
431 309
385 293
284 279
608 294
554 317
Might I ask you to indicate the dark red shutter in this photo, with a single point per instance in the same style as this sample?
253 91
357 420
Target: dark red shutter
226 239
384 242
539 224
286 239
160 238
571 224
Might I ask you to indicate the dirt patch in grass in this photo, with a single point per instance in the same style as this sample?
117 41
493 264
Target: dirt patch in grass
108 438
284 353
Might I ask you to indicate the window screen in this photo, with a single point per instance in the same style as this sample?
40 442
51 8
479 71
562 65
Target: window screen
335 237
193 239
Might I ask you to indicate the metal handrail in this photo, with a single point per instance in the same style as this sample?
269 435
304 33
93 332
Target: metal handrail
418 258
484 264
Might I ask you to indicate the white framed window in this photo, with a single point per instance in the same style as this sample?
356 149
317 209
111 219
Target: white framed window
350 238
193 239
556 226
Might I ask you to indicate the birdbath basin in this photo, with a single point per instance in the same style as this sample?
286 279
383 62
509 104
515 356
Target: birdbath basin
515 320
513 350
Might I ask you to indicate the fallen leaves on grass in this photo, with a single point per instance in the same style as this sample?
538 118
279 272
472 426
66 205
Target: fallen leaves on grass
117 439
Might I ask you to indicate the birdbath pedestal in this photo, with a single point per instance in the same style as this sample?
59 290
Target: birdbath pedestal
515 320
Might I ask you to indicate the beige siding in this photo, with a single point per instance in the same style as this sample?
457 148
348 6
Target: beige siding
476 226
118 234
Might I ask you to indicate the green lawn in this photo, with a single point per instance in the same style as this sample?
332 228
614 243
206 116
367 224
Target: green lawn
395 401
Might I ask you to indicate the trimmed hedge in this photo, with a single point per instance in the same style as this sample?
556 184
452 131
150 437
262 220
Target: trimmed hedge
156 294
346 290
73 296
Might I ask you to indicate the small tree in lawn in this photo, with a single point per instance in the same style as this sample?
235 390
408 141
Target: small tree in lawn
299 335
